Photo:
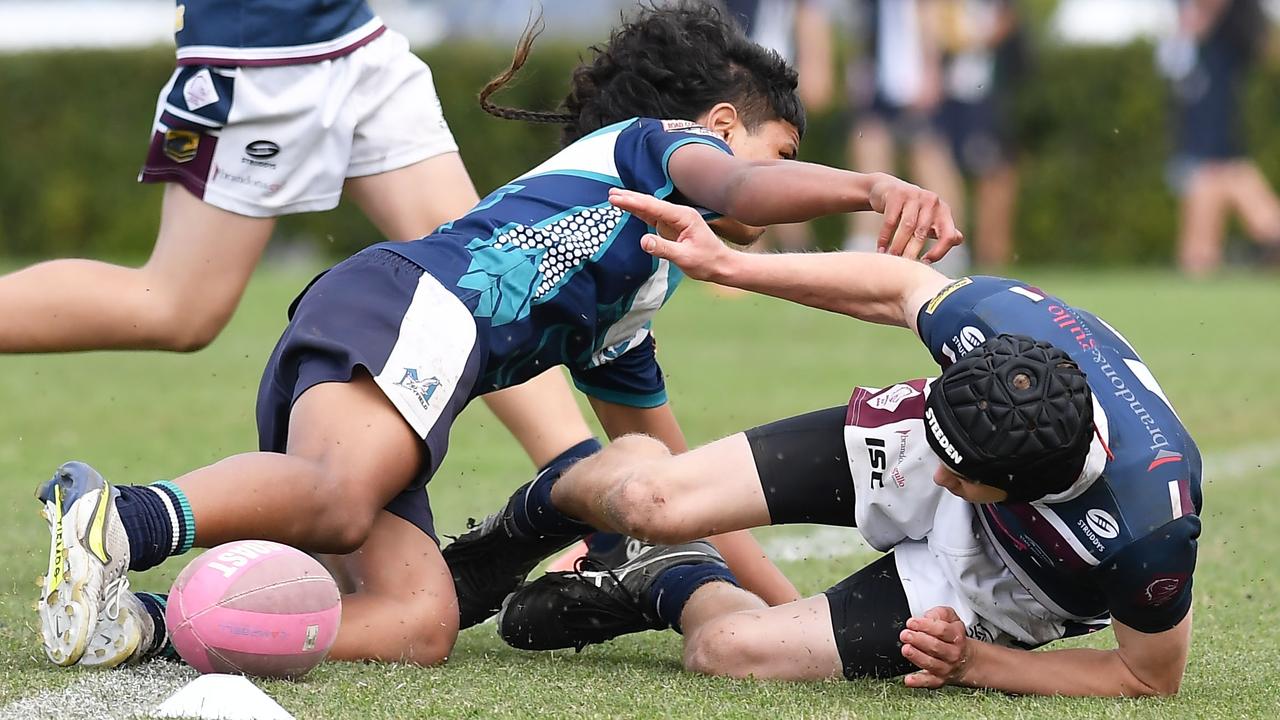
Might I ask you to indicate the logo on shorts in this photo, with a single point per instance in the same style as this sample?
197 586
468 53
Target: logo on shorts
199 91
945 293
1102 523
262 149
889 400
180 145
969 338
423 388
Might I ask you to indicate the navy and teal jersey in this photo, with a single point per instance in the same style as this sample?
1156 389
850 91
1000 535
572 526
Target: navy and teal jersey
1120 542
237 33
555 275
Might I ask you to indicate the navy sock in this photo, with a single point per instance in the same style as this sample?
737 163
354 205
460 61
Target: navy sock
672 589
160 646
530 506
603 543
158 521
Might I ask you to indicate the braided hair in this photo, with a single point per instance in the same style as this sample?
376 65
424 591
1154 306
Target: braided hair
672 62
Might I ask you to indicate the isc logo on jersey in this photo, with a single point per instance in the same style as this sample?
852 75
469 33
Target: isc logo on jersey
936 429
890 398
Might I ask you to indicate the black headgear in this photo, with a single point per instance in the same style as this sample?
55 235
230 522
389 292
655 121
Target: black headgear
1015 413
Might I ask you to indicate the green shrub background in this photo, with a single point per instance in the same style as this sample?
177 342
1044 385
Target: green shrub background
1093 125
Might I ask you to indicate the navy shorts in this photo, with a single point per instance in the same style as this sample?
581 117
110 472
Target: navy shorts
380 312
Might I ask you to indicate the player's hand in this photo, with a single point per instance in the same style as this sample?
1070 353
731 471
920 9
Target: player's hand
938 645
912 215
683 238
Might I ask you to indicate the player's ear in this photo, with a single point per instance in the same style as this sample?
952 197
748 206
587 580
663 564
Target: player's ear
722 119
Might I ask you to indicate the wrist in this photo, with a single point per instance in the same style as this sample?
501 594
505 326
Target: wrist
728 268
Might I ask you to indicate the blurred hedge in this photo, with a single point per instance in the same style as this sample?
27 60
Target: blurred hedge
1093 126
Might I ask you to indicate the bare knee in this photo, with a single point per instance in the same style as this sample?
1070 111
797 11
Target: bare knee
643 505
342 517
725 647
429 642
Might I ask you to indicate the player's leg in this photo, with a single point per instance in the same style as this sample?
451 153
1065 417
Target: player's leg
853 629
1254 200
1204 220
871 149
350 452
402 606
789 471
179 300
409 202
543 415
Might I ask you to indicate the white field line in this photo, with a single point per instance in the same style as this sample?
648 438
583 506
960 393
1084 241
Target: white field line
830 543
136 691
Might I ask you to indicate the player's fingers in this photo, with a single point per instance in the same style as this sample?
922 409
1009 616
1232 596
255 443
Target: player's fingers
659 247
949 236
933 645
892 213
924 221
906 227
924 660
942 613
653 211
923 679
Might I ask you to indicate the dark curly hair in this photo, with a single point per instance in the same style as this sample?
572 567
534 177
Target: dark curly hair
671 62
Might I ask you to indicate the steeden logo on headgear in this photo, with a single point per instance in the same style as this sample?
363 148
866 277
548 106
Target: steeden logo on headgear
947 448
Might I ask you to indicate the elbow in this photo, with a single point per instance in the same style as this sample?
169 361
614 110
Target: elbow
1164 685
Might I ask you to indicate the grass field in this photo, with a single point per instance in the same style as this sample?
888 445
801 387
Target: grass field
731 363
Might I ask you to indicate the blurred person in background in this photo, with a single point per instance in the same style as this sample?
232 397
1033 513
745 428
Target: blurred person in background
895 88
1217 43
799 31
983 51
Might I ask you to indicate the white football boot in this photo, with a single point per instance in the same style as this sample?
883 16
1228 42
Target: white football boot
88 560
124 632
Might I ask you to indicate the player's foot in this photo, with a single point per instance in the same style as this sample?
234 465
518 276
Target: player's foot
492 560
88 559
593 603
124 631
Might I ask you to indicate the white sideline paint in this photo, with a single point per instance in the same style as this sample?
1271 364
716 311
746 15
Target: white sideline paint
132 692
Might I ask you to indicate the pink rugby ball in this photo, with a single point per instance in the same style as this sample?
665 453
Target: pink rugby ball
254 607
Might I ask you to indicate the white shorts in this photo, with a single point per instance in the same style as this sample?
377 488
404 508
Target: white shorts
269 141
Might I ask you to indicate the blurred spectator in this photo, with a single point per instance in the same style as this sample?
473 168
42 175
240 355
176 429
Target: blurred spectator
982 50
1208 59
798 30
895 87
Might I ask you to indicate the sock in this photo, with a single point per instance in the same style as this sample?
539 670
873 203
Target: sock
158 521
672 589
160 646
531 510
603 543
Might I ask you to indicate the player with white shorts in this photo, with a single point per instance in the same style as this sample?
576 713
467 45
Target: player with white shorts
1041 487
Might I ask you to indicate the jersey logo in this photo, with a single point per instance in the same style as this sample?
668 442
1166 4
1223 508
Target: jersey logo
524 264
1163 457
422 389
889 400
969 338
944 293
199 91
180 19
180 145
1102 523
686 126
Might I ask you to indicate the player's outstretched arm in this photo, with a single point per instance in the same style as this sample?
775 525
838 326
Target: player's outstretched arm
785 191
877 288
1142 664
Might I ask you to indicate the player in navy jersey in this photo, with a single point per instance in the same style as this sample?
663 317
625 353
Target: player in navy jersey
386 348
275 107
1041 487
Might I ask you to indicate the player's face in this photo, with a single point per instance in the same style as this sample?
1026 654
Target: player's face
772 140
966 489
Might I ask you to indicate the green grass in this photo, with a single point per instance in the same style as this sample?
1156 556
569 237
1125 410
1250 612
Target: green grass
731 363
